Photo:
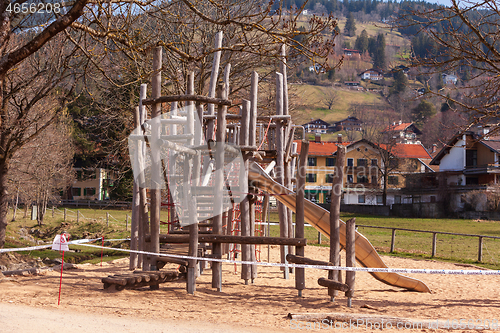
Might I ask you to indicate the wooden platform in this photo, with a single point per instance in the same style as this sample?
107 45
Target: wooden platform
140 279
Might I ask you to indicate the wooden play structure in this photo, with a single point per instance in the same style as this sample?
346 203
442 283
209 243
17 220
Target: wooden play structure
269 166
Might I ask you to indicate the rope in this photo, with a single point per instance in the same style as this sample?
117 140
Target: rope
265 134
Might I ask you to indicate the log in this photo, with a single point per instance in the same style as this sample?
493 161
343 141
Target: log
178 261
306 261
330 284
179 239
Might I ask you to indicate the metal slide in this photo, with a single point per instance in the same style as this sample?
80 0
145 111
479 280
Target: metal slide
319 218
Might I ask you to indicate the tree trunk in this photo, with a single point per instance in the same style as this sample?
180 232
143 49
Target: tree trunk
3 201
15 205
384 194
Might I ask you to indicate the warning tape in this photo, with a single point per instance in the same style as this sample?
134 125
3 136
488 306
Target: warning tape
333 268
75 242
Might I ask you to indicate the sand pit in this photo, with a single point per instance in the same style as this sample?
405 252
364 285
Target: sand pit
261 307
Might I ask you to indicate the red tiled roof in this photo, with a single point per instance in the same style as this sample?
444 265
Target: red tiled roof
407 150
324 148
397 127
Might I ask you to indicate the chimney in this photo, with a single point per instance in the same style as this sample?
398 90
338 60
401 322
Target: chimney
317 137
434 148
339 138
400 122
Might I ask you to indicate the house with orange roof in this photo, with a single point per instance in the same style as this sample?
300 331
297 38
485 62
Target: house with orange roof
403 132
373 174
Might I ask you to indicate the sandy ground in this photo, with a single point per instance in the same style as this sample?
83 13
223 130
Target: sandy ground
29 303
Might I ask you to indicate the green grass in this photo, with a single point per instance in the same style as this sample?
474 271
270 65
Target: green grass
92 224
311 105
450 248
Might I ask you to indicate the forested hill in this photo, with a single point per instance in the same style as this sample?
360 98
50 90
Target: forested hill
381 10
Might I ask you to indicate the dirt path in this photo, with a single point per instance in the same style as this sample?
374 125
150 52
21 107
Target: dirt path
261 307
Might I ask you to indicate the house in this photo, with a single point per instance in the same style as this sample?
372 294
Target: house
320 169
372 74
367 163
449 79
348 124
403 132
468 175
351 53
317 68
364 167
316 126
352 83
91 184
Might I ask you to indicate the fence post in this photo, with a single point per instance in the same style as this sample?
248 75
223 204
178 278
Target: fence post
319 238
480 250
393 240
434 240
107 219
126 222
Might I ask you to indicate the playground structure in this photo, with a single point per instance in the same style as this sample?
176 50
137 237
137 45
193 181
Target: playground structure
212 183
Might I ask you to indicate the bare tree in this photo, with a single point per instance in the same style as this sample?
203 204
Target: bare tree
107 41
330 99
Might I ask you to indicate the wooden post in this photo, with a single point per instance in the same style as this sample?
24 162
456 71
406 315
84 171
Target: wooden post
300 283
142 214
220 138
319 238
246 255
252 130
434 244
126 222
480 250
280 166
337 186
193 225
134 225
350 258
213 82
156 172
393 240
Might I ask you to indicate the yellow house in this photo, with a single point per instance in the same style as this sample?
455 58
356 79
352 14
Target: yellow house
365 166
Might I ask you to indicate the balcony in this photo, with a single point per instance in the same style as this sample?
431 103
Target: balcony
481 169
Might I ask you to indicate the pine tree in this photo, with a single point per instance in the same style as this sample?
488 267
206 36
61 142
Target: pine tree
350 26
362 42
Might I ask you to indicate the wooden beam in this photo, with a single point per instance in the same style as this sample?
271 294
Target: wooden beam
190 97
330 284
177 239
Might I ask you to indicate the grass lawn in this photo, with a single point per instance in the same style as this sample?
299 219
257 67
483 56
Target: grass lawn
458 249
92 224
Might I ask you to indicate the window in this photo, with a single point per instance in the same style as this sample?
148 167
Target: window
76 191
362 162
374 180
350 162
362 179
350 179
361 198
374 162
331 161
471 158
329 178
89 191
311 177
397 199
311 161
393 180
79 175
380 199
